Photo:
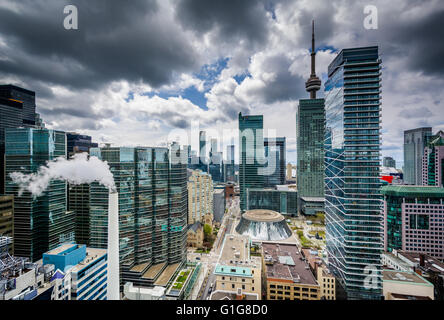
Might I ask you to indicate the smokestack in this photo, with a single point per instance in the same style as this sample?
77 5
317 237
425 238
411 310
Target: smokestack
113 246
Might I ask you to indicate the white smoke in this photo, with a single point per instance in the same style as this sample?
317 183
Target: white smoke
78 170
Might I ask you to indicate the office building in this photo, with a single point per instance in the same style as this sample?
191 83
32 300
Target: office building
310 148
237 271
78 202
311 206
200 196
215 168
389 162
310 129
22 280
291 176
86 267
203 152
78 195
17 109
39 124
429 268
77 143
229 167
40 223
287 275
399 285
325 278
415 141
7 217
275 152
24 97
251 155
414 219
152 211
282 199
219 204
433 162
354 227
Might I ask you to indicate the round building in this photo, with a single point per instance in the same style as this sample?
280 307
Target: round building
264 225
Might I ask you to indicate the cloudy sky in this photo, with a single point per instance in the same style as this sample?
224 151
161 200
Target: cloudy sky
138 72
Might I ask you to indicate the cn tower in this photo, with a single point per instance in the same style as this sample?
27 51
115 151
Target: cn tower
313 84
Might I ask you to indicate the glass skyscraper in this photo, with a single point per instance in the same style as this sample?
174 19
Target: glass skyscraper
229 172
152 207
17 109
78 195
41 223
77 143
215 167
354 227
275 148
389 162
415 141
251 155
433 161
282 201
310 129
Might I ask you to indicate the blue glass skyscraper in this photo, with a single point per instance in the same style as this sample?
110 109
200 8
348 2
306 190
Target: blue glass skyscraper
354 230
40 223
251 155
275 148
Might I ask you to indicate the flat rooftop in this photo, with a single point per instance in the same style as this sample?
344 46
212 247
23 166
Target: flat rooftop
139 267
262 215
404 277
413 191
430 263
230 295
166 275
93 254
62 248
314 259
153 271
236 248
285 262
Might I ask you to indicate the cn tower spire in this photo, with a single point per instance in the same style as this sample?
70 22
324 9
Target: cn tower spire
314 83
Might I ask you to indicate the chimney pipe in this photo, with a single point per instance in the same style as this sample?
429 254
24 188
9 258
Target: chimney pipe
113 246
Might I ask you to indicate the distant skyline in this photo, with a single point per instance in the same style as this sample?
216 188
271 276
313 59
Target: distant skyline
133 73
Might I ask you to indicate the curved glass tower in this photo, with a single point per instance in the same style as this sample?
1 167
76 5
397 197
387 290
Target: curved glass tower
354 228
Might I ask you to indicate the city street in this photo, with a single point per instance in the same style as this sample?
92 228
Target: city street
210 260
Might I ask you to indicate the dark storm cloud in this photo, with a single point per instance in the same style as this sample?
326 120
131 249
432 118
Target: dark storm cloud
115 41
423 41
285 86
234 19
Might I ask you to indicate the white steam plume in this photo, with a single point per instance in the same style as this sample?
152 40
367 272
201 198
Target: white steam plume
78 170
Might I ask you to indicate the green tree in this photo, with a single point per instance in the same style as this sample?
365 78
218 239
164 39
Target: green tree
207 231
